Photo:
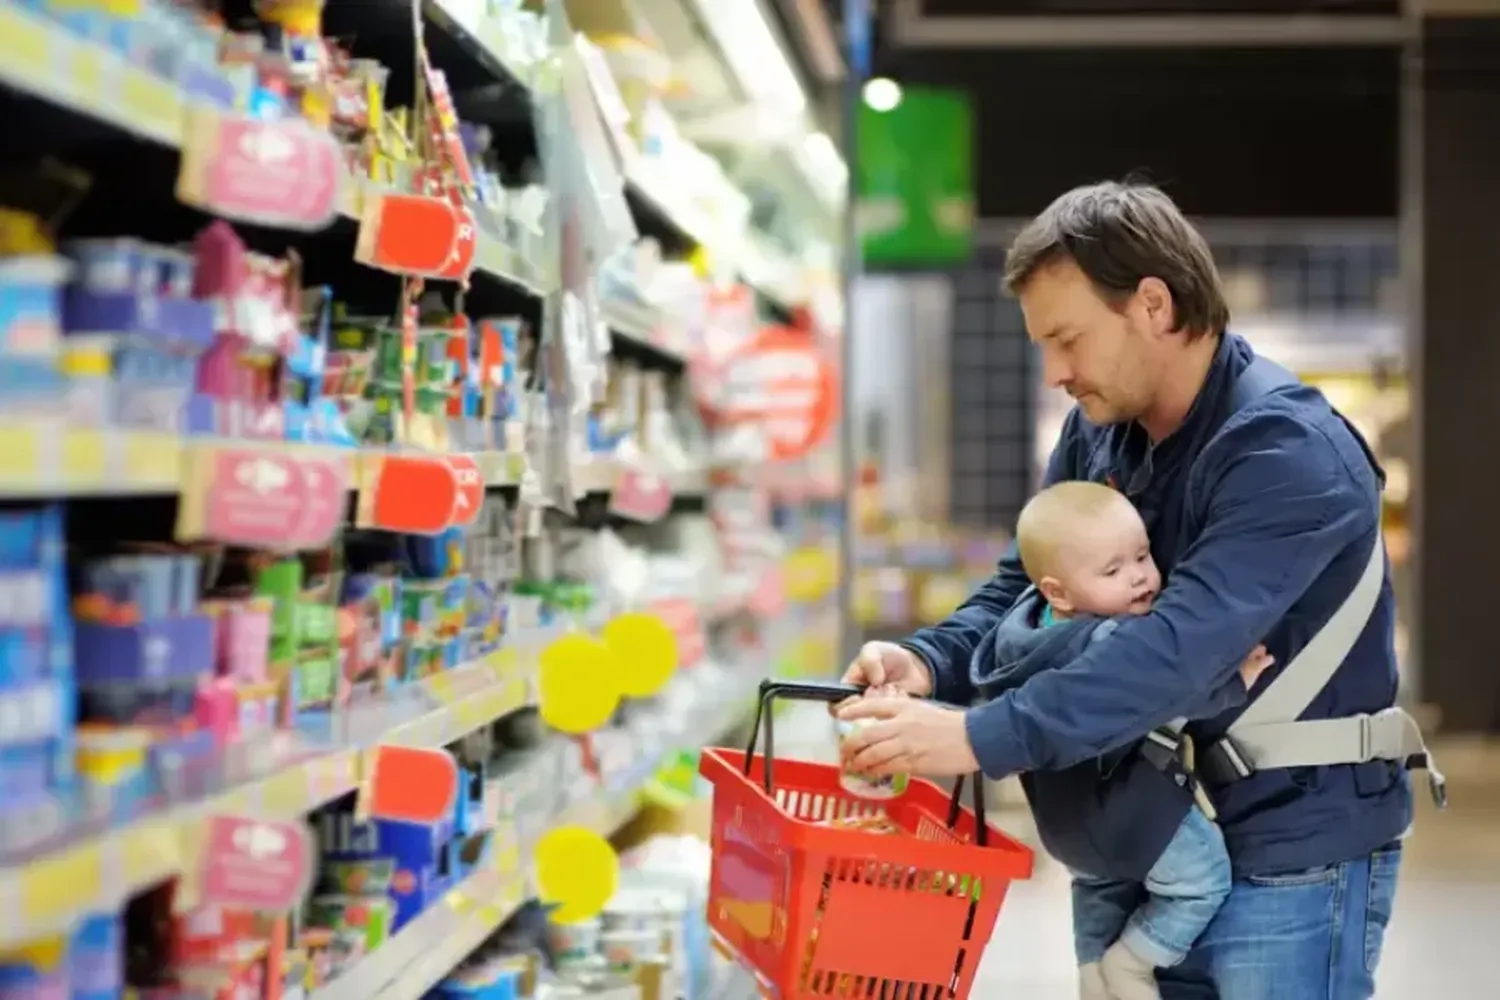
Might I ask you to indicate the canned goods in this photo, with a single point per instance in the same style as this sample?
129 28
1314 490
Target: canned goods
571 943
867 786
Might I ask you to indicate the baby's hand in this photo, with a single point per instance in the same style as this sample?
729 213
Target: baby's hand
1255 664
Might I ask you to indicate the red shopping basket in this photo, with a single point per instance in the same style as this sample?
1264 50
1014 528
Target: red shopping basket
818 911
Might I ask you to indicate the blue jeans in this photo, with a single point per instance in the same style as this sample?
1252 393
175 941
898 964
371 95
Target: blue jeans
1305 935
1160 919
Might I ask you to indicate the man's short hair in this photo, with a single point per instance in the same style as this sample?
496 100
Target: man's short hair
1119 233
1051 517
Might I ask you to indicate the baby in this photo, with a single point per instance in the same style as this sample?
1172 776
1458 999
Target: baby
1149 864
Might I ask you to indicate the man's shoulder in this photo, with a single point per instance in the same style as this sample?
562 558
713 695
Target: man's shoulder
1293 431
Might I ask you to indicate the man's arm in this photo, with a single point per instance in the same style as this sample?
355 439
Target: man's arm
1282 507
948 646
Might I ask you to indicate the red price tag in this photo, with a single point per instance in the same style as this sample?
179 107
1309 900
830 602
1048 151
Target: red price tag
465 246
470 494
412 785
280 172
640 496
262 498
410 234
254 865
410 494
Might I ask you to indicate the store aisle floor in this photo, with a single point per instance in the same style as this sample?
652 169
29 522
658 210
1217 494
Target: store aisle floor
1442 943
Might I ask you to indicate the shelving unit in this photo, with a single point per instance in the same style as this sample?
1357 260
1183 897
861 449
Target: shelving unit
547 449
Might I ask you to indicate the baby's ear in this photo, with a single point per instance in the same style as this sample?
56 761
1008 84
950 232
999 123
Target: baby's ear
1055 593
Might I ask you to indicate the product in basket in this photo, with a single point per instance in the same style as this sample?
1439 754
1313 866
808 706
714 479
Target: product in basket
878 823
867 786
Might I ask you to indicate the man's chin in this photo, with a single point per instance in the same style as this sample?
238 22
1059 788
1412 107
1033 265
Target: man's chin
1097 411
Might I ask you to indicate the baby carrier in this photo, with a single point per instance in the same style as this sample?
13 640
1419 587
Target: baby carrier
1269 733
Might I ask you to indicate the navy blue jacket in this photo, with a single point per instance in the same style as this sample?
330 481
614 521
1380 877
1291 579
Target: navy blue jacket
1262 507
1110 816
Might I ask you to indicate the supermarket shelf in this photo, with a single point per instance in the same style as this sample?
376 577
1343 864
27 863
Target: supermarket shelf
600 474
433 944
645 178
641 326
42 59
75 462
97 871
426 950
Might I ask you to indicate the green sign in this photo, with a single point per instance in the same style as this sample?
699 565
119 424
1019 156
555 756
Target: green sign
915 179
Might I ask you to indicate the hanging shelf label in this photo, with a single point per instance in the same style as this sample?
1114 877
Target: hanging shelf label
269 498
639 495
281 172
249 864
409 494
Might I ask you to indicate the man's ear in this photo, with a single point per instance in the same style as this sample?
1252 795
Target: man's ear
1154 300
1055 593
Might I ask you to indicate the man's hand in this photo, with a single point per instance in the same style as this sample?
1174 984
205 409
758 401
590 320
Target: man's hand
907 737
1255 664
885 664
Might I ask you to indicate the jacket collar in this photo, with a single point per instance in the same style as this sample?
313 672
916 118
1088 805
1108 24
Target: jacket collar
1137 462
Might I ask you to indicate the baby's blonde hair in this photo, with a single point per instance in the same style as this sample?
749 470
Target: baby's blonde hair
1051 516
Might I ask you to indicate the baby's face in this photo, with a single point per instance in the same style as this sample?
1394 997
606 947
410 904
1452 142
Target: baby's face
1106 568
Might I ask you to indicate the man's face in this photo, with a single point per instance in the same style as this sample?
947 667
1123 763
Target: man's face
1098 354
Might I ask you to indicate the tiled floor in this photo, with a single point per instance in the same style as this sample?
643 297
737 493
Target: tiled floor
1444 943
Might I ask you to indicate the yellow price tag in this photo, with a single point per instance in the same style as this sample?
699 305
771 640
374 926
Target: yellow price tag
286 795
504 661
236 803
517 693
335 775
441 688
54 889
85 68
148 854
474 711
149 99
151 459
85 458
25 44
20 457
508 859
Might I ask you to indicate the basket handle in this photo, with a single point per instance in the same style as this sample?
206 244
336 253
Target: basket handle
833 693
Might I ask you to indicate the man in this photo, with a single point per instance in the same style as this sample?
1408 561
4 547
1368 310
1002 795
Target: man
1263 504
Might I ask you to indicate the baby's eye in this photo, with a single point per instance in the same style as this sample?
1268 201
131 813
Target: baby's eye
1111 570
1143 557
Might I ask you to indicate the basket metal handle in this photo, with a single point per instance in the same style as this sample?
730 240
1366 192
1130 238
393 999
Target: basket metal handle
832 693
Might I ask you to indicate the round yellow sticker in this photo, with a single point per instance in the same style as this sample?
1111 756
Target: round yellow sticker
577 684
577 871
644 652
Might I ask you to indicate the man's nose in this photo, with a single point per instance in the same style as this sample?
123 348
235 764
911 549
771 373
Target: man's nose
1056 373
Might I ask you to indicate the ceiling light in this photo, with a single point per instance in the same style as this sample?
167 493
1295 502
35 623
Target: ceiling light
882 94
